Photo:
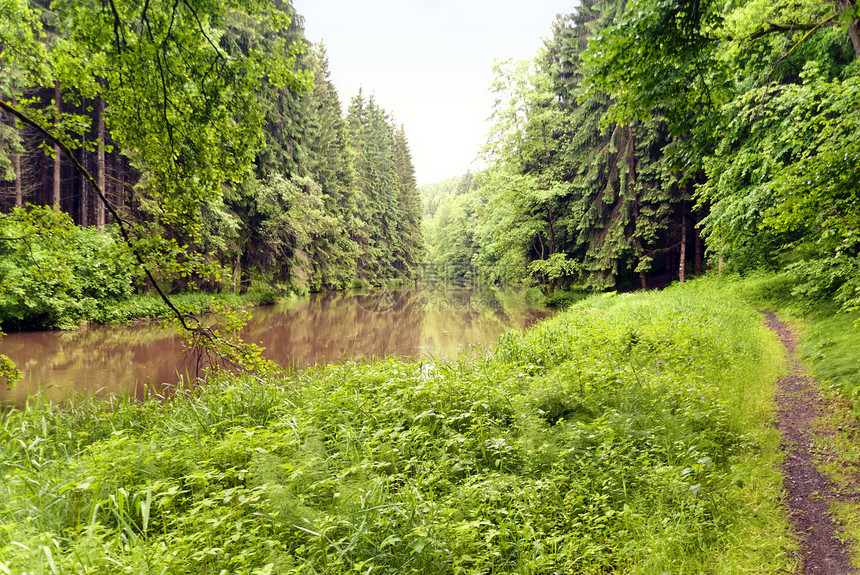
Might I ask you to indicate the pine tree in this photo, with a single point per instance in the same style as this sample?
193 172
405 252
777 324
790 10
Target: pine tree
409 242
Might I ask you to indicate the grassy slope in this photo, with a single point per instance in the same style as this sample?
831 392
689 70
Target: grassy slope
830 348
628 434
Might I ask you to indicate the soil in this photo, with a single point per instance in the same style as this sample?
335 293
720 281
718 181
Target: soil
809 495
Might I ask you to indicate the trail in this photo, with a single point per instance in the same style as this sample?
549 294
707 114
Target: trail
809 493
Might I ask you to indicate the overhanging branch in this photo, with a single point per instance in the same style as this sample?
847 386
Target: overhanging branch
776 27
122 224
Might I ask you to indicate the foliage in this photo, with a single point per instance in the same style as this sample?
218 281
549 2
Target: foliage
450 232
665 49
388 207
184 109
433 195
644 129
8 371
831 347
627 434
564 298
569 200
218 346
764 99
243 171
55 274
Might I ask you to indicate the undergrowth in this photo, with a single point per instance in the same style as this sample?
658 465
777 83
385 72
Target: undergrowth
151 306
629 434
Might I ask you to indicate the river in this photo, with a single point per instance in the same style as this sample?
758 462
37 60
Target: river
321 328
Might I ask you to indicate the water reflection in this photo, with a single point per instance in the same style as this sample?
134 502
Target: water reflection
321 328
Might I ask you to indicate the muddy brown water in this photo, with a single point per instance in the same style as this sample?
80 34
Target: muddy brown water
321 328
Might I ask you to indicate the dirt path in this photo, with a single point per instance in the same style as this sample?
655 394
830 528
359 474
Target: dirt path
809 493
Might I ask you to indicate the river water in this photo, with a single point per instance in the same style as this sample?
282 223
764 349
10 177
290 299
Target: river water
411 324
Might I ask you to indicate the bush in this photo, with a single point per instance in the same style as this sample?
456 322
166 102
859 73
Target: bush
57 274
564 298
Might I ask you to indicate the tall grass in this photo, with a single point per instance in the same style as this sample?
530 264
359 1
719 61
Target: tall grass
830 344
628 434
831 347
151 306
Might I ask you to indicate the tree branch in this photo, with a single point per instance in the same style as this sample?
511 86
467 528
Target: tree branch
202 29
776 27
117 27
122 224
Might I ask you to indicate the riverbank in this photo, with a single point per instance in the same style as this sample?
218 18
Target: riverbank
296 334
630 433
128 308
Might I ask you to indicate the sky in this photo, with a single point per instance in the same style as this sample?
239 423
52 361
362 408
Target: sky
428 63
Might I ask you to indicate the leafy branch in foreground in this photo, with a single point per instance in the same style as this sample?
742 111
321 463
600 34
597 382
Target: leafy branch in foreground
180 105
8 371
211 346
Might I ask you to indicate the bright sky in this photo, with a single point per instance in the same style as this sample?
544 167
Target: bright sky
429 64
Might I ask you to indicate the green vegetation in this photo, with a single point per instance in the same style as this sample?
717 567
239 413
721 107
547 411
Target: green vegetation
208 142
630 433
829 344
651 139
831 348
60 275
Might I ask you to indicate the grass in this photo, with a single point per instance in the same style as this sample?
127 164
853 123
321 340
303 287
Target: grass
831 348
628 434
151 306
836 443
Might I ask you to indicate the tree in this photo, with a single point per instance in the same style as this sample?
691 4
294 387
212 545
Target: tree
593 202
408 248
179 104
764 121
378 190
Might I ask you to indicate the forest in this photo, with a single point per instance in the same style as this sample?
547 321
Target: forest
196 147
650 141
204 140
646 143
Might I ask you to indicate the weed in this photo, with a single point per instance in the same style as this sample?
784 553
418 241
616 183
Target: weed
627 434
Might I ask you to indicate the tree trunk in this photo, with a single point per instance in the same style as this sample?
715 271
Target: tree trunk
84 191
56 193
631 166
552 246
100 163
720 266
237 273
682 266
16 165
854 34
853 27
19 193
698 264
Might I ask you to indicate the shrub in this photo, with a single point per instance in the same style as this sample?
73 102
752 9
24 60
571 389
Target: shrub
56 274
